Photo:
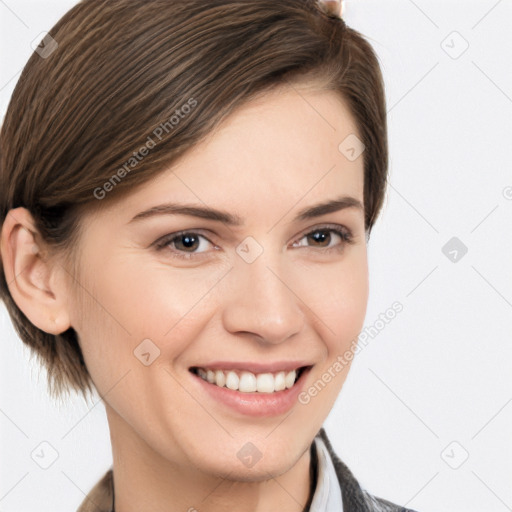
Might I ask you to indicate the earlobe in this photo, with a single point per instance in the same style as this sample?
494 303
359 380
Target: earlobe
31 275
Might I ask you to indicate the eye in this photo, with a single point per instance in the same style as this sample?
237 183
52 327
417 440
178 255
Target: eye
189 245
324 236
184 244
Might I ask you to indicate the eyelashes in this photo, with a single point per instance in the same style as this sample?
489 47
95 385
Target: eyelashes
193 240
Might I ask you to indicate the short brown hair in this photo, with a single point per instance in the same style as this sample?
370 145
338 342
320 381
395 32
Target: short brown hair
126 70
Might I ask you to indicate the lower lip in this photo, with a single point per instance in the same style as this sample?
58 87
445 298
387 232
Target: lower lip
256 404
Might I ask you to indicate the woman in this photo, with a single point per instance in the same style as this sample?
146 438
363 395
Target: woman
187 193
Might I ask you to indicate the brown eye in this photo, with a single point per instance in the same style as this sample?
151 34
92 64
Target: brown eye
185 244
326 238
320 237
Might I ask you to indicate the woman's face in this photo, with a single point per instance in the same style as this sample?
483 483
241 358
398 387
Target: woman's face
275 292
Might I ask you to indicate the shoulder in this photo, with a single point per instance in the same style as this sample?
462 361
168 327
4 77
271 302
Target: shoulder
100 497
376 504
355 498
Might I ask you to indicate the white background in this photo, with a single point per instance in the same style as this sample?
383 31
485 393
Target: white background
439 374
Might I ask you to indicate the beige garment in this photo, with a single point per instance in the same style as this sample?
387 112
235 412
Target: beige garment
101 496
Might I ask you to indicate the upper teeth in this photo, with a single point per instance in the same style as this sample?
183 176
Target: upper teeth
248 382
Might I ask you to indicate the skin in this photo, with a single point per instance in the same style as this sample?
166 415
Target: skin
175 448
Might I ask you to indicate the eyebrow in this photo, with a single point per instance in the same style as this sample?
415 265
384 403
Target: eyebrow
230 219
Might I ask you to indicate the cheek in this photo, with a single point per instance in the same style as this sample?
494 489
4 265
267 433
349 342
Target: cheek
349 301
337 295
128 303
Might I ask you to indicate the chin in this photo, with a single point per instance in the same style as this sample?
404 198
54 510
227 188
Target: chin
261 471
253 461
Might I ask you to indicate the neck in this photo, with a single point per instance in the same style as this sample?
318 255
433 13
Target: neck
144 480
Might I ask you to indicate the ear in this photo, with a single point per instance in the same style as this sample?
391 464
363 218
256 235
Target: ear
34 280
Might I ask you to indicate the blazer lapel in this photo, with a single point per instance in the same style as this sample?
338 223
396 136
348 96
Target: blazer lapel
353 496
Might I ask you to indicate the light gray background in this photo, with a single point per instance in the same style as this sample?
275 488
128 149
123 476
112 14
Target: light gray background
434 385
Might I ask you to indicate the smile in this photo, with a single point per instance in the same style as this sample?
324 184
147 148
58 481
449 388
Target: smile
248 382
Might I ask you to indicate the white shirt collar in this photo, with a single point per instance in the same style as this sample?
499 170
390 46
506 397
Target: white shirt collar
327 497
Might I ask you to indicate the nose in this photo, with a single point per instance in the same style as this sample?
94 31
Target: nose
261 302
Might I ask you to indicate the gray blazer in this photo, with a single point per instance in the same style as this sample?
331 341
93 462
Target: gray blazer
355 498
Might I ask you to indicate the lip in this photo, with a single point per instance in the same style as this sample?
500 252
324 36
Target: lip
254 367
254 404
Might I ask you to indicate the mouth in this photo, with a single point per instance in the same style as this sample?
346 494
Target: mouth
244 381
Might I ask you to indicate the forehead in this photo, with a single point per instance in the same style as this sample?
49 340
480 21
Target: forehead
280 149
